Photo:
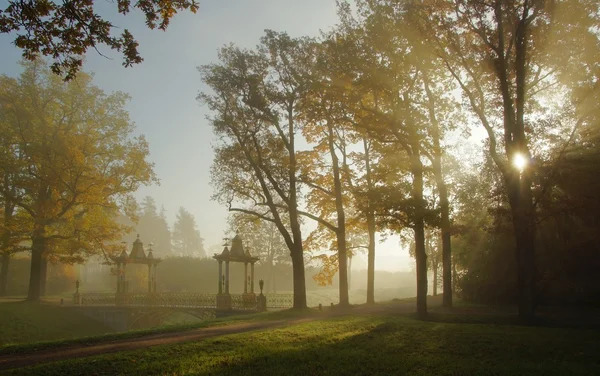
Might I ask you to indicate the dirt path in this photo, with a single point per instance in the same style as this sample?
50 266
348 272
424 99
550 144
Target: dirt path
22 360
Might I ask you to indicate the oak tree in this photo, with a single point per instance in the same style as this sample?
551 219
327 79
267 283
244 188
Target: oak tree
76 162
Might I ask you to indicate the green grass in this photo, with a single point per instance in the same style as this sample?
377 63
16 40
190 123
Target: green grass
36 344
359 345
23 322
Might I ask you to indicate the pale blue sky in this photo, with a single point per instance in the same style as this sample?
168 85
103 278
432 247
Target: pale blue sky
164 87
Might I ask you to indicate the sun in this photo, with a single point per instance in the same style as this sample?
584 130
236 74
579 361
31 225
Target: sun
519 161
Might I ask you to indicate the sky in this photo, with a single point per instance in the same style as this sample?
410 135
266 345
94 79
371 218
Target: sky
164 87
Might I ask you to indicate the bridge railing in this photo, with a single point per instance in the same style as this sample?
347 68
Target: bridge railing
238 302
98 299
280 301
182 300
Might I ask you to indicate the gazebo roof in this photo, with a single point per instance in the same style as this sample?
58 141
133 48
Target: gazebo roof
236 254
137 255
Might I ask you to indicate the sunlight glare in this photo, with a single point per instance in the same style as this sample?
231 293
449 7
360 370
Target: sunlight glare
519 161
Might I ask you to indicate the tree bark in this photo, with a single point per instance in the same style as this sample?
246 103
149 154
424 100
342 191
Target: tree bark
299 279
518 183
37 250
370 228
443 192
446 248
297 251
9 209
435 277
421 261
521 202
341 223
419 230
43 274
4 273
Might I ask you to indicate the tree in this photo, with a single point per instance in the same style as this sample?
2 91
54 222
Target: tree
186 238
152 227
76 165
439 116
365 205
256 100
512 53
67 30
386 86
325 129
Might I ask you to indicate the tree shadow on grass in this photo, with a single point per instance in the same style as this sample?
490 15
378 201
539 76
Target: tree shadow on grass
573 319
398 348
360 345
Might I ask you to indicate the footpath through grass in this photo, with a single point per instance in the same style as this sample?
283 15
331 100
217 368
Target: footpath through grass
359 345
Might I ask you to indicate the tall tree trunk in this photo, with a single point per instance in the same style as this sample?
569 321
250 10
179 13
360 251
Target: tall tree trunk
341 222
4 273
37 250
521 202
297 252
434 266
299 279
446 247
343 266
419 230
371 259
370 228
43 274
518 183
437 166
421 261
9 209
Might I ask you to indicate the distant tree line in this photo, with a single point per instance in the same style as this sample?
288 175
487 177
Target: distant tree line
182 239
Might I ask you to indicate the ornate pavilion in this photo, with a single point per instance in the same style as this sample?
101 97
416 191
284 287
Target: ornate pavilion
235 254
136 256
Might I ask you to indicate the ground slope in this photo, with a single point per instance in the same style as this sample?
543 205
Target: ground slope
22 322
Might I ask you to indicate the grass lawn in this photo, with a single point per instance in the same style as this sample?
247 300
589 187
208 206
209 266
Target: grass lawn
22 322
359 345
42 333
